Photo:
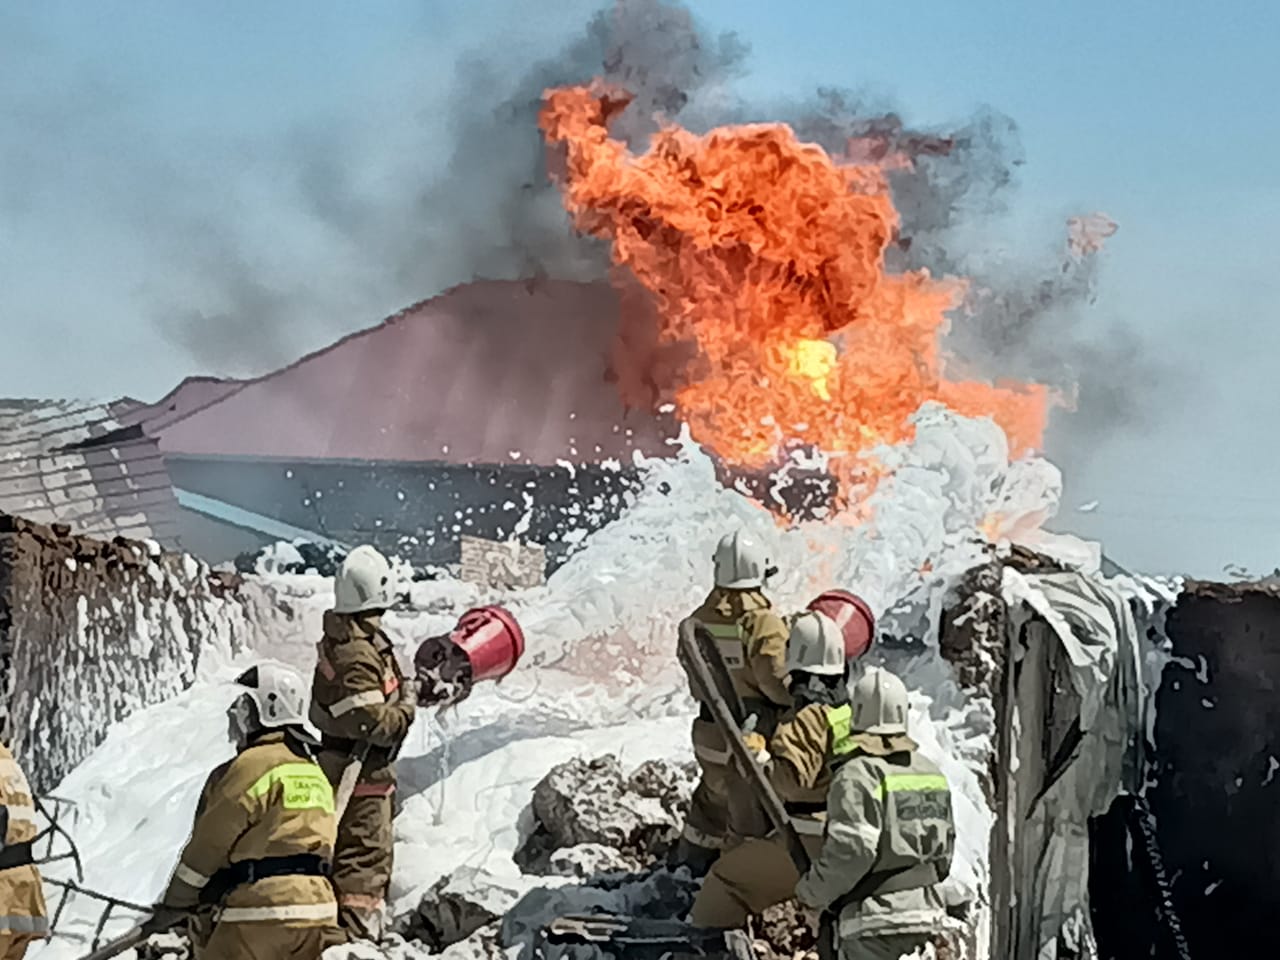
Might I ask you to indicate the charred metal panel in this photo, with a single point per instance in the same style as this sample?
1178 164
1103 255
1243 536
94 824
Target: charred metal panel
1218 751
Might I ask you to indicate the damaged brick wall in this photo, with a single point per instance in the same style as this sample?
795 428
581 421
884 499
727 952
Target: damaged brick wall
91 631
1218 755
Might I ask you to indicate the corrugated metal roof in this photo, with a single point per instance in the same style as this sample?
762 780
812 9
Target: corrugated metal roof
73 462
493 372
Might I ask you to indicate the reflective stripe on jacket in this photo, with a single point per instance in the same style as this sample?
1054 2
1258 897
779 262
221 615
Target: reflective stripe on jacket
22 906
270 801
885 814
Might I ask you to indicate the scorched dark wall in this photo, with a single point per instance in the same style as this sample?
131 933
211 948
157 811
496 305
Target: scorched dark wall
1218 743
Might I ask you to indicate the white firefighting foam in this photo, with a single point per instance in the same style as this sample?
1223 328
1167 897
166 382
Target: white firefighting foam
599 675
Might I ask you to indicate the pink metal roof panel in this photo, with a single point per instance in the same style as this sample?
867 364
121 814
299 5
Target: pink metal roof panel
190 396
490 372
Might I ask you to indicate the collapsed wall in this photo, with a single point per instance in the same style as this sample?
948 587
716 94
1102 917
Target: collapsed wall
91 631
1218 755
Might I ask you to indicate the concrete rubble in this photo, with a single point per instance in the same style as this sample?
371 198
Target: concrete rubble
590 816
598 838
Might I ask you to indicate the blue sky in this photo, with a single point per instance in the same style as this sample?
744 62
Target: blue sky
1160 114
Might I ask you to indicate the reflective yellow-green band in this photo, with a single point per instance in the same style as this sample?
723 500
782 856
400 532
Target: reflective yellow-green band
899 782
838 721
724 631
304 787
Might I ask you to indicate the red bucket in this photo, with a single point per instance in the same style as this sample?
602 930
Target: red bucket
852 616
492 641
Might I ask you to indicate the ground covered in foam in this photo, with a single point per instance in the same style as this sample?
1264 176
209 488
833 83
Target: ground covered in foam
599 674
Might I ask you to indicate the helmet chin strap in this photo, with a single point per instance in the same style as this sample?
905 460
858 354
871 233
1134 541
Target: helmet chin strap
241 721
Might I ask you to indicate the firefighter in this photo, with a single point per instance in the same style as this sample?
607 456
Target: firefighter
752 641
759 872
254 876
23 917
360 701
889 836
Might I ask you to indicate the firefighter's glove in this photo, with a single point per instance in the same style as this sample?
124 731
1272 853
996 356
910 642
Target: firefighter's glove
163 919
758 746
409 689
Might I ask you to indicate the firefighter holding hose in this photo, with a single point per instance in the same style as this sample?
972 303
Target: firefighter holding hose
752 641
363 706
759 872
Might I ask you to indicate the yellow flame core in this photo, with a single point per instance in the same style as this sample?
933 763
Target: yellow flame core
813 360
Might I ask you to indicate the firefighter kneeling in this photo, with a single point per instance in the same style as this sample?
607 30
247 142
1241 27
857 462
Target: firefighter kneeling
262 843
889 837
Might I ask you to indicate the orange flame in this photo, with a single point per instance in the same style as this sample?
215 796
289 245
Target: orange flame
768 256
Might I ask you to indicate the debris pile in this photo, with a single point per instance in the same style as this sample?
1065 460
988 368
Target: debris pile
590 817
786 931
458 906
596 843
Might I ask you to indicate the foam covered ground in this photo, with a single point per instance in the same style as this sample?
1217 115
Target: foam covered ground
599 674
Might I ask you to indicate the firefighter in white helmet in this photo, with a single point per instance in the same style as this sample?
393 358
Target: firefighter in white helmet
361 701
752 640
890 833
254 876
759 872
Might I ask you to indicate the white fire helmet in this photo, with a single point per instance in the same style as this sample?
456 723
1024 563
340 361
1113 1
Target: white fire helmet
815 645
275 697
364 582
879 703
740 562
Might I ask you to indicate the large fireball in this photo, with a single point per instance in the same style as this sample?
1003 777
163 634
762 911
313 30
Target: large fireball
767 256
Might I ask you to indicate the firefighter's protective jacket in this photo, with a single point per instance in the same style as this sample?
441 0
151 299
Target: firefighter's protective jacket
888 843
752 640
22 907
799 767
355 694
271 801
